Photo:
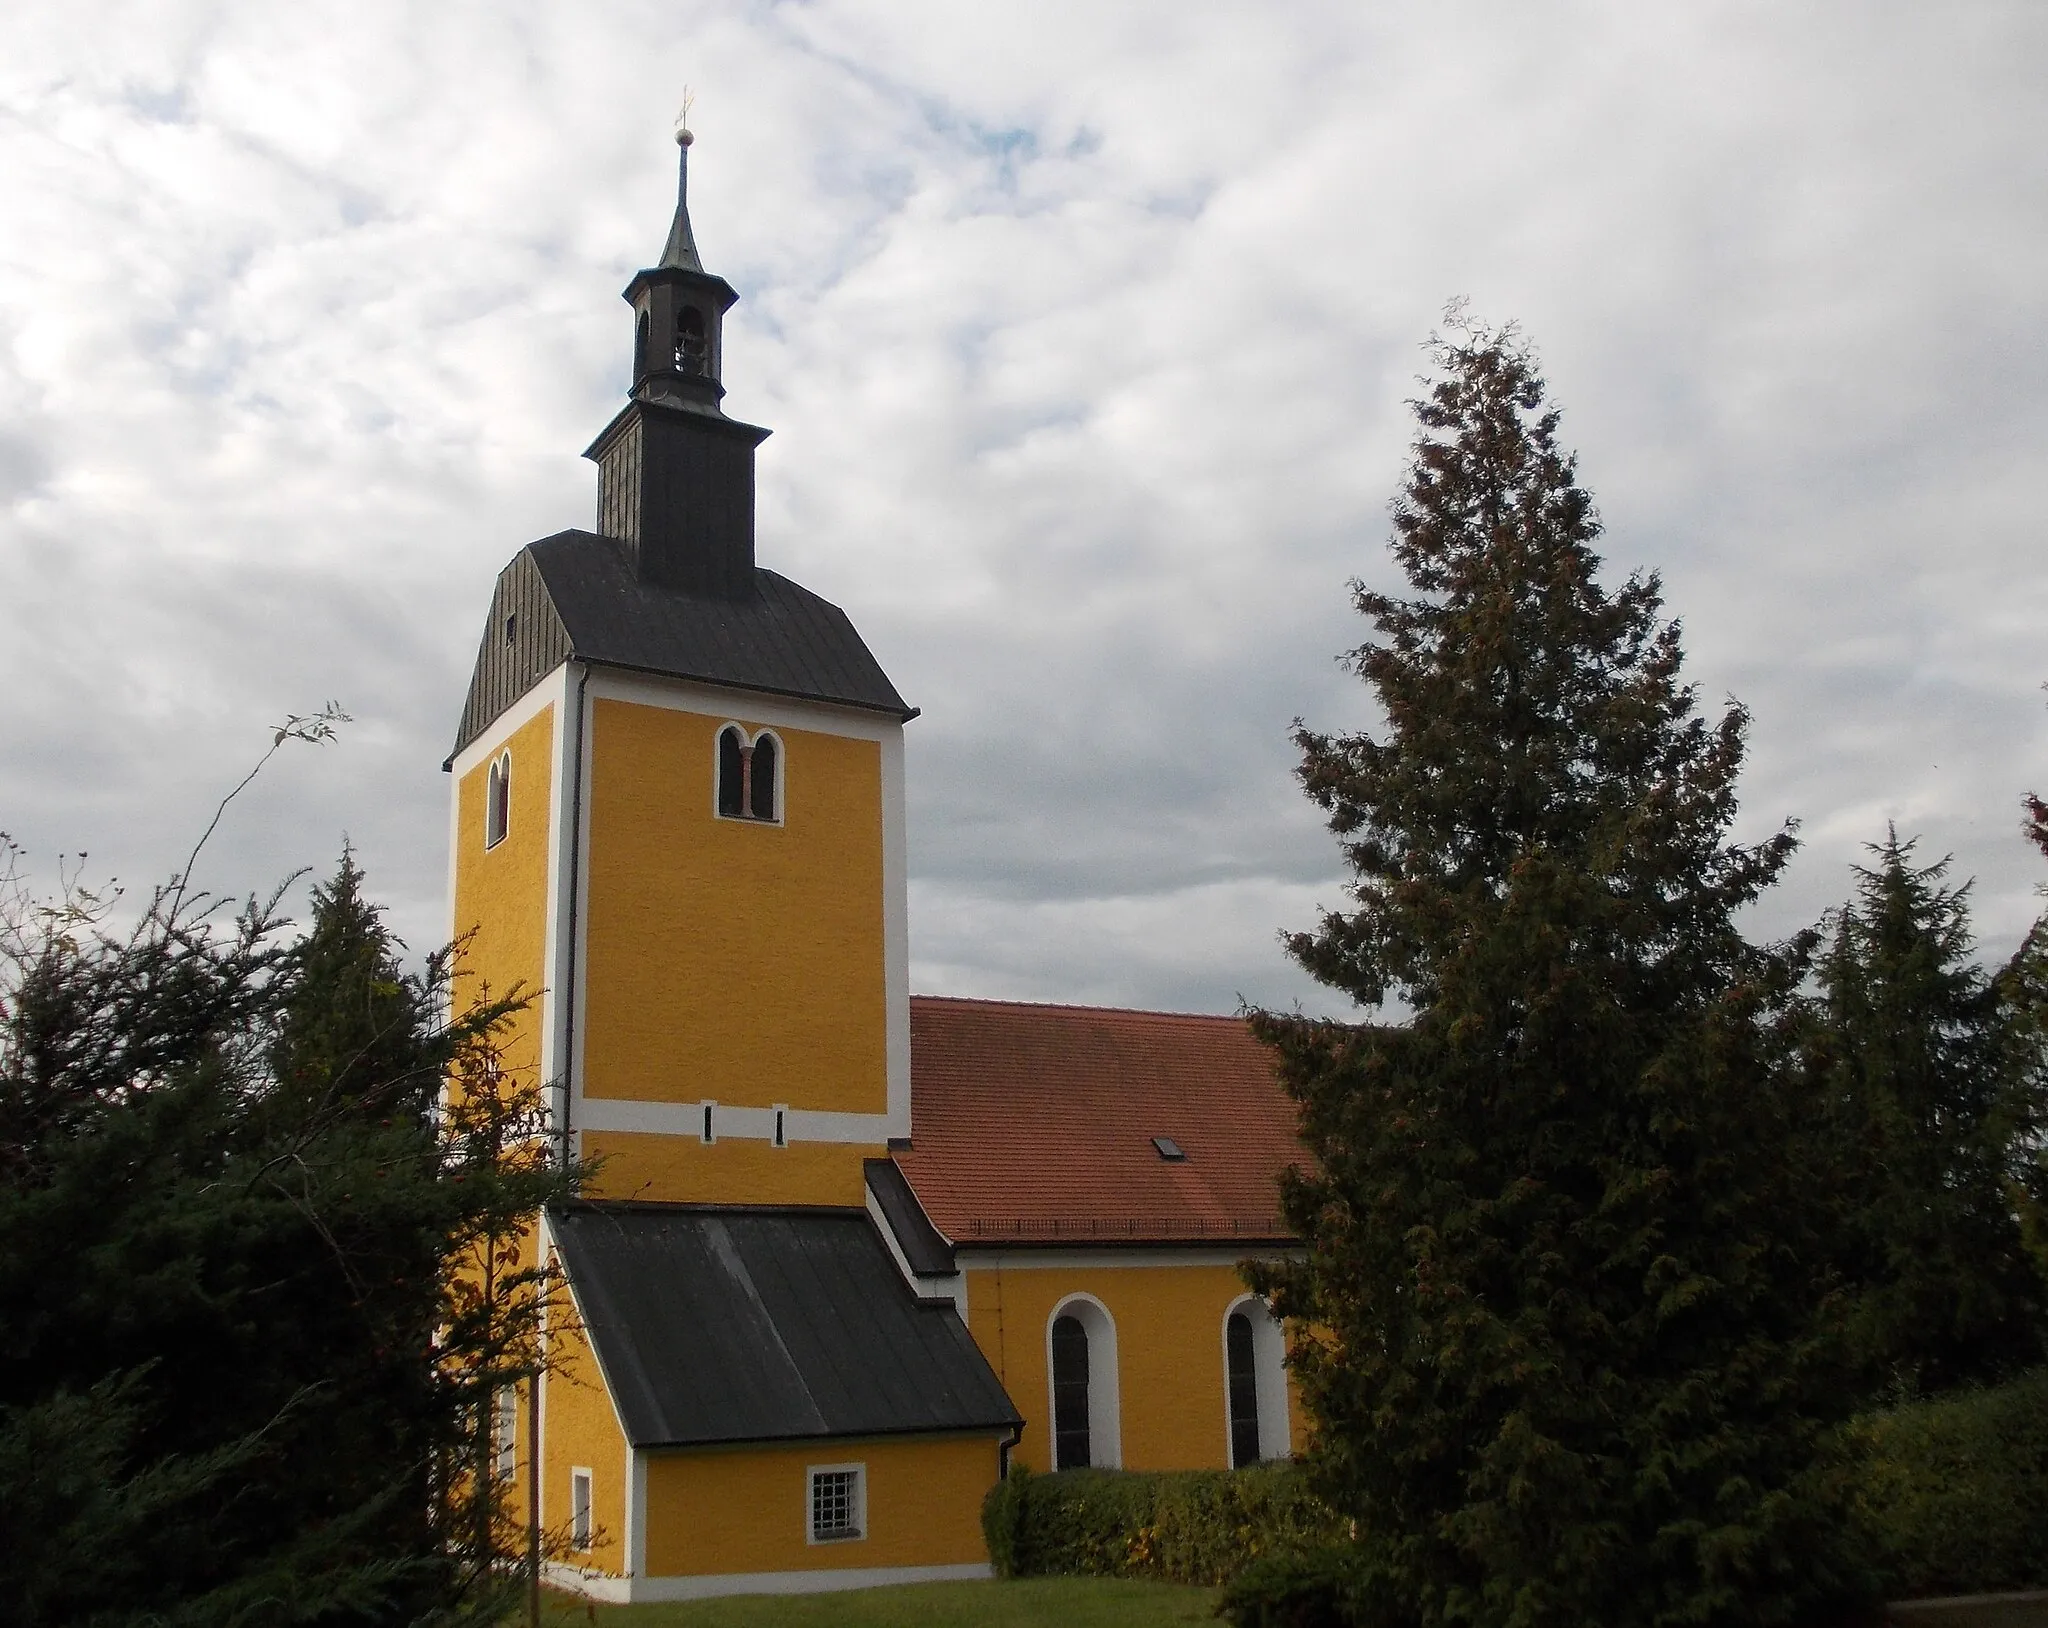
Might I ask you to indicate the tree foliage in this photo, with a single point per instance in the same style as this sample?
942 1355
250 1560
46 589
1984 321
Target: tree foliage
242 1368
1559 1308
1930 1066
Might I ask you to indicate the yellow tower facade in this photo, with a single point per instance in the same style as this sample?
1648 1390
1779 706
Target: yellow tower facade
677 816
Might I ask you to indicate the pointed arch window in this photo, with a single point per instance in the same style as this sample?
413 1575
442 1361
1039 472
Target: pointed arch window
692 350
749 775
498 800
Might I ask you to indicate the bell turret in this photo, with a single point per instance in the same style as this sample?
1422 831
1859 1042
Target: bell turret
675 475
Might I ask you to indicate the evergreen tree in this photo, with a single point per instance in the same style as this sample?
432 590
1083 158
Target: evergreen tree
241 1366
1930 1075
1556 1322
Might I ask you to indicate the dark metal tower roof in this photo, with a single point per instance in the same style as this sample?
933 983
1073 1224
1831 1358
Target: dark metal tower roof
575 596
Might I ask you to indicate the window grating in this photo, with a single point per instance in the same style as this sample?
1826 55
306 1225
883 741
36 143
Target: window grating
1244 1391
835 1505
1070 1394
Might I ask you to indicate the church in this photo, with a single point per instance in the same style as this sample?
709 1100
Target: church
849 1253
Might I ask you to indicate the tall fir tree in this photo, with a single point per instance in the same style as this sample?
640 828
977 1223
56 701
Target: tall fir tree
245 1370
1930 1067
1556 1317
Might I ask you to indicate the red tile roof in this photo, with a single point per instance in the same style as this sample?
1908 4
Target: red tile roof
1034 1124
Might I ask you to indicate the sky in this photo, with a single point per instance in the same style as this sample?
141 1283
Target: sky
1086 333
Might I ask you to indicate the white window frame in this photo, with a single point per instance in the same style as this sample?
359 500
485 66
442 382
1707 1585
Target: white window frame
1269 1374
1105 1407
505 1432
582 1519
859 1472
498 795
750 738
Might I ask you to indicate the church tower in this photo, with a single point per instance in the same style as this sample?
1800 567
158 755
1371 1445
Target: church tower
677 812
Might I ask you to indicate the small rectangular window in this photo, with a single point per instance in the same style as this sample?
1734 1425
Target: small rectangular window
838 1503
708 1137
781 1126
504 1432
579 1509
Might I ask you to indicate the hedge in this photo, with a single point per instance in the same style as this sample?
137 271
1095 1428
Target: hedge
1951 1494
1183 1526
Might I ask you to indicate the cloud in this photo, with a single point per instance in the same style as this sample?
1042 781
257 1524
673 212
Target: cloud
1084 333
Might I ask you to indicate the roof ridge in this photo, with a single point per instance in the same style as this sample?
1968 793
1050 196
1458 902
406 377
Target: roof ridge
1077 1006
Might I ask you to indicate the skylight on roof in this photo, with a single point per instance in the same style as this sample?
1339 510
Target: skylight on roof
1169 1150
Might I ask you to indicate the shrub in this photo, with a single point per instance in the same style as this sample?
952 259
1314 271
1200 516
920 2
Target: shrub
1307 1590
1951 1494
1184 1526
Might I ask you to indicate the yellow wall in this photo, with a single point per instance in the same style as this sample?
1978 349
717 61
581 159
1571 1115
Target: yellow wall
1169 1341
717 1510
501 893
679 1169
580 1430
727 959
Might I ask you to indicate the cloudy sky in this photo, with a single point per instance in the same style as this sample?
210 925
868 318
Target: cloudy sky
1085 332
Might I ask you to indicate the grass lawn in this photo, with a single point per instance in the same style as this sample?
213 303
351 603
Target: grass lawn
1029 1602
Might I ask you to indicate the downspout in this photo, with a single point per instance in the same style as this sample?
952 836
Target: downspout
1003 1451
569 925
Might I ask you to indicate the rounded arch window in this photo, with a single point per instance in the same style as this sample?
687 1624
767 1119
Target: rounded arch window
640 348
749 775
1081 1375
1255 1383
498 800
693 350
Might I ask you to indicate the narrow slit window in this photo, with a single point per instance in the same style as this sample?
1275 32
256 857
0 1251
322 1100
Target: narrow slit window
761 779
640 348
504 1432
781 1127
1244 1391
579 1509
708 1137
498 800
732 773
1070 1394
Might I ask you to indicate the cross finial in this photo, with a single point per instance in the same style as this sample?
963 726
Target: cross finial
683 136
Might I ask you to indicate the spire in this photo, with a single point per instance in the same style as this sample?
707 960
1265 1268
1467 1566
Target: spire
675 475
680 252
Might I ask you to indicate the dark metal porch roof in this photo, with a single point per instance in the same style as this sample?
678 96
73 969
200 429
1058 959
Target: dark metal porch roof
742 1325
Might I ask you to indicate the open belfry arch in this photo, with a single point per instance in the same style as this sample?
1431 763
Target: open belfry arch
807 1326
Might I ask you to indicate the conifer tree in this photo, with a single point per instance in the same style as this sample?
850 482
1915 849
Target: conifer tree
1929 1067
243 1368
1556 1317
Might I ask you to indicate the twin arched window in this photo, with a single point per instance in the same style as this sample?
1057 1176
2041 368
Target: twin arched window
749 775
498 800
